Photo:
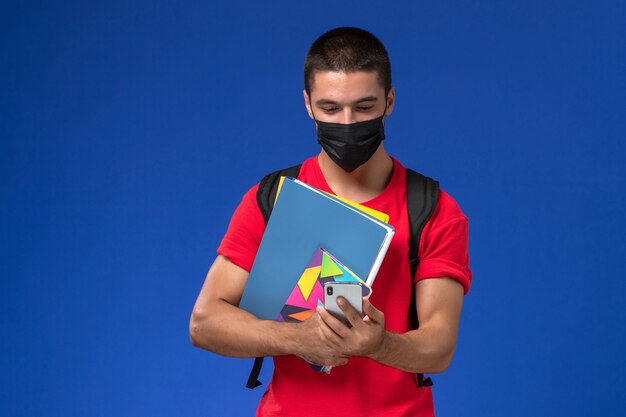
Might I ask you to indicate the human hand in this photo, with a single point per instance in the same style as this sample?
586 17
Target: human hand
364 338
311 345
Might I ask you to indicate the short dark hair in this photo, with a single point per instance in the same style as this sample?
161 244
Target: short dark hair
347 49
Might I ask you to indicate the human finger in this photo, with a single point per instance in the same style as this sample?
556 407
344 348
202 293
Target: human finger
332 322
330 337
372 312
349 311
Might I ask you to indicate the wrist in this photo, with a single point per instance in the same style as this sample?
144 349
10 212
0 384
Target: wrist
278 339
379 352
288 340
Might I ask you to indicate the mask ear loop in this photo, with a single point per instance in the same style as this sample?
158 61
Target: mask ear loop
386 106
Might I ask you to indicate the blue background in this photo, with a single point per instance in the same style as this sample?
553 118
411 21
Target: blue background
130 129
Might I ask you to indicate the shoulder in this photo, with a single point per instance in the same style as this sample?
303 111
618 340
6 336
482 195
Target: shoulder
248 201
447 207
269 181
446 214
248 208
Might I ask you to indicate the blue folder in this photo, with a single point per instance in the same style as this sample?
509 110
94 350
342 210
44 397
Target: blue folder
303 220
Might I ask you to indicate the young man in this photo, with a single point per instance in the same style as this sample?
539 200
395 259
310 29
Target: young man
348 94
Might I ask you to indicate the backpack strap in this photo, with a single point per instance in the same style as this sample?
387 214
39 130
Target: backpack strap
265 197
421 197
266 194
253 378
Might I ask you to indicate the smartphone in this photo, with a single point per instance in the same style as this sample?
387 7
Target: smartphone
351 291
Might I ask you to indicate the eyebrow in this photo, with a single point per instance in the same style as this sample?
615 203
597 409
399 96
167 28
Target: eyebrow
324 101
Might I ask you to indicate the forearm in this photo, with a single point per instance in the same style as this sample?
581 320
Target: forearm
426 350
228 330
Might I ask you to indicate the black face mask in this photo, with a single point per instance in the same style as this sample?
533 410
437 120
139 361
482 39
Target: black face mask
351 145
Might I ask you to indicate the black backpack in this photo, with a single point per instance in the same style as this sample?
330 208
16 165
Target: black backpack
421 195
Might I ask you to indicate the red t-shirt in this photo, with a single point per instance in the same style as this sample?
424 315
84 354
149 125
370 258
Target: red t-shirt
363 387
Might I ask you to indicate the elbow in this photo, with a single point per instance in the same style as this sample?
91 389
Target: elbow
196 329
441 365
441 360
193 337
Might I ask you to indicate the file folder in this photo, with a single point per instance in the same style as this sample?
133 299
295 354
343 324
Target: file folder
303 220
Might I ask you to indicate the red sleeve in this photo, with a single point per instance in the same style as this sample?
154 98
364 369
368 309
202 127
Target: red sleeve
443 244
243 237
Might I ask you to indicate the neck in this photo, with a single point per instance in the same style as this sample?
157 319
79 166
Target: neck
362 184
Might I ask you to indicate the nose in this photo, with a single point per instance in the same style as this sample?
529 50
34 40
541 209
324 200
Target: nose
347 116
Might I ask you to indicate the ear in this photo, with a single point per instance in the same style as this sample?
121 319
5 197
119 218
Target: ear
391 100
307 104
